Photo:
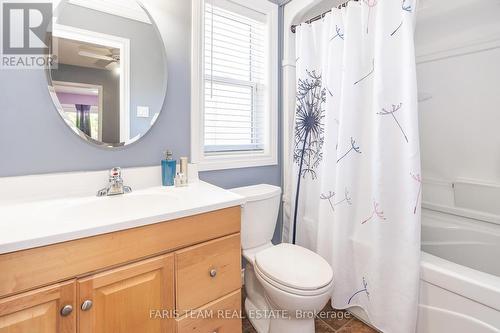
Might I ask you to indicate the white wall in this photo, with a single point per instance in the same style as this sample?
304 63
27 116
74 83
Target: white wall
458 56
460 124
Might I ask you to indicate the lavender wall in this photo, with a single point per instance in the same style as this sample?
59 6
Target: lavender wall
69 98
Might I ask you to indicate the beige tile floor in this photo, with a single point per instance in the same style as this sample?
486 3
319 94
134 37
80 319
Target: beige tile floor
329 321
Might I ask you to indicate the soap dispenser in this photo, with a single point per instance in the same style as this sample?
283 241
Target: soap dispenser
168 166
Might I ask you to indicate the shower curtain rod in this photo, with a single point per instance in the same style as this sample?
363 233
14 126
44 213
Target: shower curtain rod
320 16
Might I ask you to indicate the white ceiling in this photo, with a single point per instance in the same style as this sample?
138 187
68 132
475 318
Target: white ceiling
444 25
76 90
125 8
68 53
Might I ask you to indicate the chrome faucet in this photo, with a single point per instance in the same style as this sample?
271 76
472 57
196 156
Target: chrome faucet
115 186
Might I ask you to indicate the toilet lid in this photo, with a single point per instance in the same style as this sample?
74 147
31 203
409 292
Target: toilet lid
294 266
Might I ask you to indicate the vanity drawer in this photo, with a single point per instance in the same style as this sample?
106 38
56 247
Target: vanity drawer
221 316
207 272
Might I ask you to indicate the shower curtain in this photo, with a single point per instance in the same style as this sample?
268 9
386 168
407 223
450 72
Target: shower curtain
355 174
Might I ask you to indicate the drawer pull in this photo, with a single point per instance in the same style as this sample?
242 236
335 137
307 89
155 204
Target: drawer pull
66 310
213 273
86 305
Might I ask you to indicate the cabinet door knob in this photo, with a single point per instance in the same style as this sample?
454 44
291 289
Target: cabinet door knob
66 310
86 305
213 273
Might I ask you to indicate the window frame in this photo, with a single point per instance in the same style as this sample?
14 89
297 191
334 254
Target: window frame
233 159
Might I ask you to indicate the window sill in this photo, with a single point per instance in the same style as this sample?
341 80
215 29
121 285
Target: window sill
225 162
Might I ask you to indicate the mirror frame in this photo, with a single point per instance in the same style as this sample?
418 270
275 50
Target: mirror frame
80 133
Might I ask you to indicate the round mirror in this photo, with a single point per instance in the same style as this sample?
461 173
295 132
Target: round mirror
108 77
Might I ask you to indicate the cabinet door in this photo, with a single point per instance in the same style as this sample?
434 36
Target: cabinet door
40 311
128 299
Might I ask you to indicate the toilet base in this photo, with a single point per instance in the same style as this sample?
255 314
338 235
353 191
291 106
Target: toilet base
291 326
266 325
261 325
267 316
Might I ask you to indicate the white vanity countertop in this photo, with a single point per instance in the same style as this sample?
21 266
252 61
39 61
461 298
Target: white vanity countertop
30 224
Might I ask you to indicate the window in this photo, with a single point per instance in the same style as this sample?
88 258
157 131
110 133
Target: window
234 84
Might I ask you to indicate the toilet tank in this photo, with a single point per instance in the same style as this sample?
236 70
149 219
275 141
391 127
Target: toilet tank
259 214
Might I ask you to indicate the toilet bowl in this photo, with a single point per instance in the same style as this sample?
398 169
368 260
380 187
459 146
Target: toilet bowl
286 285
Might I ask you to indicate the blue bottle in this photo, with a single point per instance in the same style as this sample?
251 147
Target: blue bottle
168 166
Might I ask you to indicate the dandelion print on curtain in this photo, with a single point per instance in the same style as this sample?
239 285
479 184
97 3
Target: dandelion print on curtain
355 157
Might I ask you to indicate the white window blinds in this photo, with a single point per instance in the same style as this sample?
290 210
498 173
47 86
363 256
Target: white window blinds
234 72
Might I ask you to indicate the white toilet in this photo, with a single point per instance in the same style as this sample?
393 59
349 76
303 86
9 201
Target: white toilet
285 284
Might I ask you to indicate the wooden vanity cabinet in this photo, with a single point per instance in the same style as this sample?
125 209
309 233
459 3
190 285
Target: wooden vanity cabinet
220 316
40 310
138 280
213 268
125 299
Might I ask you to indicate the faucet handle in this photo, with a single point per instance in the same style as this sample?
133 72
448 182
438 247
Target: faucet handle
102 193
115 173
115 185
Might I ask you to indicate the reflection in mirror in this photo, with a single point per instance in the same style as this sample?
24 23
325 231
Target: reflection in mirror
98 46
82 104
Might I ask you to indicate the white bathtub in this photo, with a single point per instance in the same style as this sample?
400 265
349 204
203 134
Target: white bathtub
460 277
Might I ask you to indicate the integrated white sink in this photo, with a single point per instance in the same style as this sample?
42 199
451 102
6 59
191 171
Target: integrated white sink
42 221
121 205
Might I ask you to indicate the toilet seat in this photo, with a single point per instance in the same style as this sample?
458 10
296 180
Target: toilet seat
294 269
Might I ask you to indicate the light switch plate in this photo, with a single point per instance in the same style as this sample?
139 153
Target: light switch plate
142 112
